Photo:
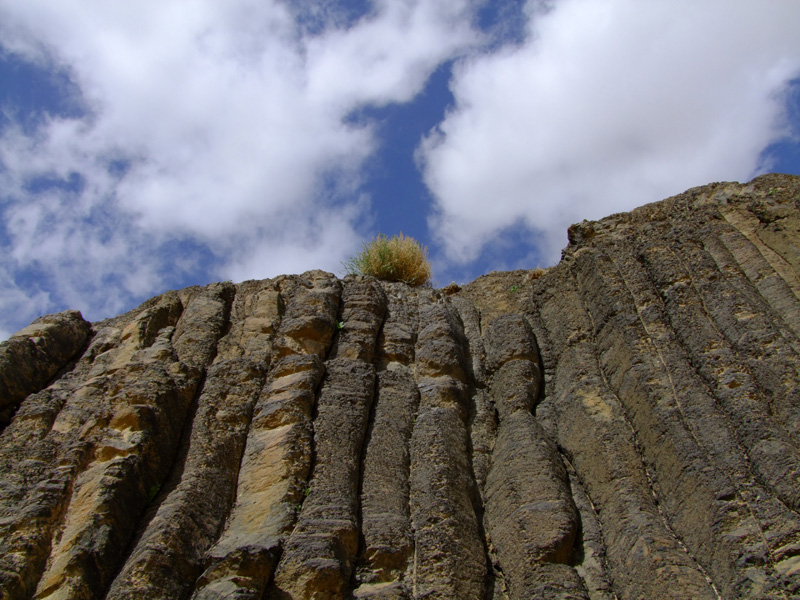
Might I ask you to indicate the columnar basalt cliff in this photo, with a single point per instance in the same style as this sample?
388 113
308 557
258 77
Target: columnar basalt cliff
624 425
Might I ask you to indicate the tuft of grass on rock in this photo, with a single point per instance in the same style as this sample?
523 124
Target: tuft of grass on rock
536 273
396 258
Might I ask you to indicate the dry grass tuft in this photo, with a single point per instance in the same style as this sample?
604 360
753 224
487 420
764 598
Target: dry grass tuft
397 258
536 273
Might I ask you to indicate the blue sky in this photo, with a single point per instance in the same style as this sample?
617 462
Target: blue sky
149 146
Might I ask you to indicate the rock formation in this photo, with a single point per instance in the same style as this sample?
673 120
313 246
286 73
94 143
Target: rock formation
624 425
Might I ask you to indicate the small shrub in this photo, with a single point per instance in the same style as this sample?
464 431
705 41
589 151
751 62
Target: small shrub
536 273
397 258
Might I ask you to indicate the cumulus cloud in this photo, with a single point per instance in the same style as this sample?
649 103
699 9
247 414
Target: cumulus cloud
213 137
224 140
606 105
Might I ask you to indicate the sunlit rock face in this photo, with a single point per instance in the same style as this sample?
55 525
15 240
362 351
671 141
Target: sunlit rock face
623 425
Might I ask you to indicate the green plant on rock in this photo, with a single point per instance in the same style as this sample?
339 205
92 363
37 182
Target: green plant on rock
153 492
396 258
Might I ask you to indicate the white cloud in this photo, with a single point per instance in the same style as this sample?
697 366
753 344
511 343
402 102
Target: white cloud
323 245
230 120
28 305
608 104
216 139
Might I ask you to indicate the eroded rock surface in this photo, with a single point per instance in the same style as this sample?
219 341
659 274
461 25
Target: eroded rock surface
31 357
624 425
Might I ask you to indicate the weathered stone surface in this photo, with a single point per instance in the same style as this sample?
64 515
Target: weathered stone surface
33 355
450 558
278 456
623 425
191 508
318 558
388 545
531 519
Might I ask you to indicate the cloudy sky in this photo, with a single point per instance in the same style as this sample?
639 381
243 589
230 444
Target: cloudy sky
150 145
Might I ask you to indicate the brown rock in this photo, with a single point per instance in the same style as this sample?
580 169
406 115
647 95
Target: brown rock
30 357
277 459
450 558
318 558
388 544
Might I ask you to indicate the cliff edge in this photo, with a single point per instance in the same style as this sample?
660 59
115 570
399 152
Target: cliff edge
623 425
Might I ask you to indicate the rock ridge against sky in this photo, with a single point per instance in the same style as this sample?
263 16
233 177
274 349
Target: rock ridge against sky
146 147
623 425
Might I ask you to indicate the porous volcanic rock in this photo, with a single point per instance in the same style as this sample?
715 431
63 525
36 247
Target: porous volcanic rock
623 425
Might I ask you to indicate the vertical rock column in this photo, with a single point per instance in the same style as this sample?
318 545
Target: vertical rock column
53 436
679 431
531 519
741 250
762 237
761 424
318 559
388 543
450 557
167 559
740 427
278 455
645 559
134 435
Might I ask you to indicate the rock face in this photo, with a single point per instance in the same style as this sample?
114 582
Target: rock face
624 425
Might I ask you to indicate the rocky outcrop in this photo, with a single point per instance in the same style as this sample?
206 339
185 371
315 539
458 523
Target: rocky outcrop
624 425
31 357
